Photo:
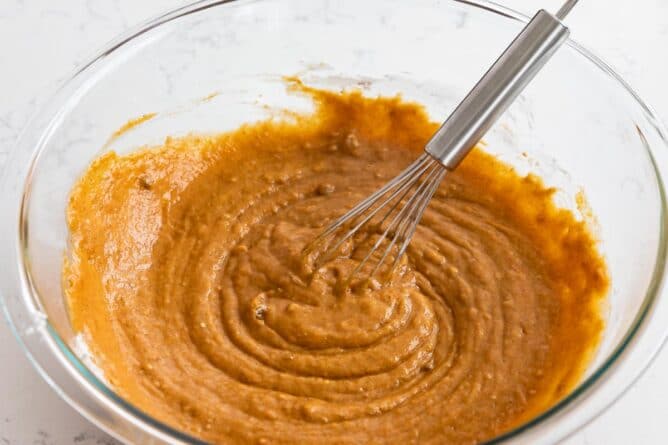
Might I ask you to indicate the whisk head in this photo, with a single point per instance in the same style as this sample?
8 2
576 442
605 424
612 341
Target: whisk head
387 219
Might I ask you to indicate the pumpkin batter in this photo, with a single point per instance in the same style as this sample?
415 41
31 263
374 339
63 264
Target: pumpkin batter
187 280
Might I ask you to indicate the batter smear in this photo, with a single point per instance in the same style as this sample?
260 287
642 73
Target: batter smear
186 278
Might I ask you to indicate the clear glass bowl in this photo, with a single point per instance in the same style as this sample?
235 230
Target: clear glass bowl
581 125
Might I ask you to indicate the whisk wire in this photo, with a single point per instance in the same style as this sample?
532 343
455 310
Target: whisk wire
400 221
416 217
402 183
401 201
371 199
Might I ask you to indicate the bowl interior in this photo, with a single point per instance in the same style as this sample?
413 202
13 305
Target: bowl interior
222 64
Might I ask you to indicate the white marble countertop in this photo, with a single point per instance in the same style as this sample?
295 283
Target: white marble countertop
41 41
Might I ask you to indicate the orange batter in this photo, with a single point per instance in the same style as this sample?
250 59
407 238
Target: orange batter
187 279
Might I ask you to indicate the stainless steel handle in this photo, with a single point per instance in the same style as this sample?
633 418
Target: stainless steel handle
499 87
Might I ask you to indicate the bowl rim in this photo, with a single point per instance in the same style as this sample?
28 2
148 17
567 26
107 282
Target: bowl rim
104 393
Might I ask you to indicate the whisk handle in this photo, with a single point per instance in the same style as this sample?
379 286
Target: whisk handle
497 89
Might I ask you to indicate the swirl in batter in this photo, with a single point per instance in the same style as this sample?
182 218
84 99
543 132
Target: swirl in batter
187 279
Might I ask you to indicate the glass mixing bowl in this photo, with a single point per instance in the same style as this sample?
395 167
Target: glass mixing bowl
215 64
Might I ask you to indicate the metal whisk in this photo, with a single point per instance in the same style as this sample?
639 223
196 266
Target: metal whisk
388 218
